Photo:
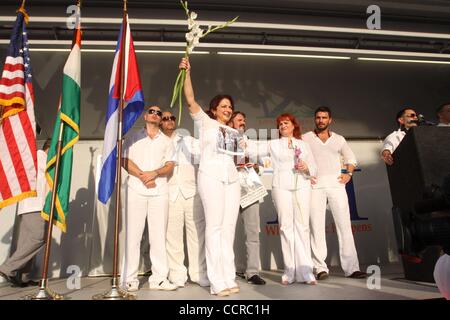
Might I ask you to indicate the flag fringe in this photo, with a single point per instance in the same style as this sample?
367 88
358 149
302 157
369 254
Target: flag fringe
55 222
70 144
17 198
13 111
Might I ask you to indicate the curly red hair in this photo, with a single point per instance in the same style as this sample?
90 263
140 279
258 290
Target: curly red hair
288 116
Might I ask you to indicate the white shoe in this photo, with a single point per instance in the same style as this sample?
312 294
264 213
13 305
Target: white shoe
179 284
163 285
132 286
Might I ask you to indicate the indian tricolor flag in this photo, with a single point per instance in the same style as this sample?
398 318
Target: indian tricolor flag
69 117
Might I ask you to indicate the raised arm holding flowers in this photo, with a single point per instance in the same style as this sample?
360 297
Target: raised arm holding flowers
192 38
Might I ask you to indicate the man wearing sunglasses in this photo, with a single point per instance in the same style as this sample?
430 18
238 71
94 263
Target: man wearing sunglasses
148 157
185 208
406 118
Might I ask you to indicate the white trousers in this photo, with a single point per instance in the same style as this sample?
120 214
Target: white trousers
155 210
442 275
221 204
338 202
186 212
293 217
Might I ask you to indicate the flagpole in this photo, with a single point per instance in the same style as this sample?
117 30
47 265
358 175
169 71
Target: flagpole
116 293
44 292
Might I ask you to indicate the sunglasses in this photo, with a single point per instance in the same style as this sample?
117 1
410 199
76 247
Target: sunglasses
173 118
153 111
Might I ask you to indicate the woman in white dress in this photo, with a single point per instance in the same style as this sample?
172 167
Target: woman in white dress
293 170
218 185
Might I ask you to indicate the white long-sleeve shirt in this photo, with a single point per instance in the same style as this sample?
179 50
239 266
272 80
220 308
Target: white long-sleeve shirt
330 156
283 161
217 144
148 154
35 204
393 140
183 180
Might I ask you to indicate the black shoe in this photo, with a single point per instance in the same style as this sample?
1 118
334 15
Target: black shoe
30 283
240 275
12 280
358 275
256 279
322 275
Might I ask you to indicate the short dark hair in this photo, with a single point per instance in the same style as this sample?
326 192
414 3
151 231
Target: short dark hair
46 144
401 113
151 106
215 102
441 107
235 113
323 109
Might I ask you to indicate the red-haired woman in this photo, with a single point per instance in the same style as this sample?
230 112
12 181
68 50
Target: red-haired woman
293 169
218 185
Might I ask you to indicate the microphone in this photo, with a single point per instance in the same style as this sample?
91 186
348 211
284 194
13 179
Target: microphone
421 121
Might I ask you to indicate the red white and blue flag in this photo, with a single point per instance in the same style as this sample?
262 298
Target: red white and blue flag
133 97
18 160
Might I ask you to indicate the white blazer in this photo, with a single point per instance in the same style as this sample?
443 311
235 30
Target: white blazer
283 160
217 144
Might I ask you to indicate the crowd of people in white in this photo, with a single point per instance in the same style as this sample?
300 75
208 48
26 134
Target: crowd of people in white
177 183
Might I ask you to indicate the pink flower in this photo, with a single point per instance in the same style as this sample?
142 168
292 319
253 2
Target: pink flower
297 153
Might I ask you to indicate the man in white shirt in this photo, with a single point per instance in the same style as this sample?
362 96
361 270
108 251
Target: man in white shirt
406 118
328 148
443 115
185 208
250 216
148 158
16 269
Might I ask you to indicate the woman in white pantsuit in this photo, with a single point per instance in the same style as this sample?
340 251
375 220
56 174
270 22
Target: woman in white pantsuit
294 167
218 185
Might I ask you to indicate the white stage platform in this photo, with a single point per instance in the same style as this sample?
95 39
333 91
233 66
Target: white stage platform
336 287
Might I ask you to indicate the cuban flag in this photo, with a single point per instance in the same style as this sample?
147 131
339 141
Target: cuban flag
133 97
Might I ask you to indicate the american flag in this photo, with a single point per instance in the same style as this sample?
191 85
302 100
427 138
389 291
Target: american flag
18 126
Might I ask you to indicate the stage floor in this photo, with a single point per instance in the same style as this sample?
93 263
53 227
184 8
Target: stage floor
336 287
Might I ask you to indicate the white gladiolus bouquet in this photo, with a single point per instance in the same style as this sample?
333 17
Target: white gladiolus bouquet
192 38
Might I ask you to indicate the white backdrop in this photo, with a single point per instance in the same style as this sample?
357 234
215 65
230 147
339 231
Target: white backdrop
88 241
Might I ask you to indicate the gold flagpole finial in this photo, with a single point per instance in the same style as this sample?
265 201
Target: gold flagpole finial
125 5
79 3
22 6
